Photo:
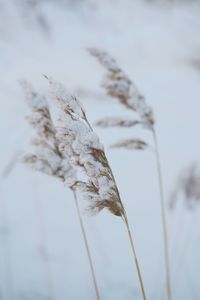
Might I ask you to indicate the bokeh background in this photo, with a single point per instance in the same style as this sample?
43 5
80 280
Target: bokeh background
157 43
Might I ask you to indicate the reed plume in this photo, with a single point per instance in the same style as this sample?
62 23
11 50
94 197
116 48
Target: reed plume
118 85
72 152
187 190
76 139
187 187
6 252
48 159
136 144
112 122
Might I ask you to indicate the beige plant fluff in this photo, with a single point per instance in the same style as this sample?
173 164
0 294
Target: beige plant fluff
114 122
46 156
70 149
77 140
118 85
130 144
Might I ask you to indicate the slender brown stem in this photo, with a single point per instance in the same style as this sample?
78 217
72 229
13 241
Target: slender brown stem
125 219
135 256
87 247
44 253
164 222
11 164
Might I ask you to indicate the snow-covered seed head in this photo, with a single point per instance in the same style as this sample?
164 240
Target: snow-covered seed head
118 85
39 118
77 140
46 156
70 149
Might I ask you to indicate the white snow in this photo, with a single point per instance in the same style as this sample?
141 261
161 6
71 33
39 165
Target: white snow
155 45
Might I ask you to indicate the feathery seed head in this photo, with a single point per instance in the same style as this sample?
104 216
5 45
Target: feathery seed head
116 122
118 85
47 157
82 145
188 186
131 144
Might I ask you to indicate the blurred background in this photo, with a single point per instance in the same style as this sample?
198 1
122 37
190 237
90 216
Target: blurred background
157 43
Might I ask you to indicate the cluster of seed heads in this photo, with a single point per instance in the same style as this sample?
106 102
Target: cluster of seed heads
70 150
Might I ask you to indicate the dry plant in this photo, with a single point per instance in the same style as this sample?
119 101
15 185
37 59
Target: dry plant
78 141
48 157
11 164
187 187
72 151
112 122
42 249
136 144
6 252
5 237
118 85
42 245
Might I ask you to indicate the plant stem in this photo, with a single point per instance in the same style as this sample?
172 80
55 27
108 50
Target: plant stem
6 247
87 247
43 248
11 164
135 256
164 223
125 219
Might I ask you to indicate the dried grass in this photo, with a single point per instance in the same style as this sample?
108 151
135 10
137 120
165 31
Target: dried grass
131 144
72 146
48 158
118 85
187 187
116 122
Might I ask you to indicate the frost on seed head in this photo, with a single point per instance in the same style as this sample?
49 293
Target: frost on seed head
45 156
77 140
70 148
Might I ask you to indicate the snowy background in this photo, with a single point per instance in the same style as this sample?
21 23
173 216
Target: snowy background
158 46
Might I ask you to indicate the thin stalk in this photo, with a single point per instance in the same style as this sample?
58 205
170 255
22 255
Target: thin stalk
87 247
11 164
135 257
5 236
44 253
163 216
125 219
